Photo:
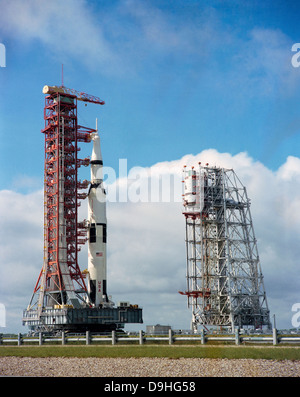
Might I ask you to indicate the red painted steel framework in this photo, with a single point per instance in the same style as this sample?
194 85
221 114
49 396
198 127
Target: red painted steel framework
60 299
60 279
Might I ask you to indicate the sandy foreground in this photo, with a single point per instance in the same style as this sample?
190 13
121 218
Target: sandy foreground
146 367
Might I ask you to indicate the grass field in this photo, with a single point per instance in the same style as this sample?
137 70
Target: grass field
174 352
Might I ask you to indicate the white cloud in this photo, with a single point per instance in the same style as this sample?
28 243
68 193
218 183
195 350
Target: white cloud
130 37
20 241
146 240
290 170
261 64
66 28
146 249
133 30
21 245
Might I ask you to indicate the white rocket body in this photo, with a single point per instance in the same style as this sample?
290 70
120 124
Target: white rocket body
97 229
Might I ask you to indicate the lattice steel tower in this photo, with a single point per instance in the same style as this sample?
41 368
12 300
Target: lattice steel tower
224 278
61 281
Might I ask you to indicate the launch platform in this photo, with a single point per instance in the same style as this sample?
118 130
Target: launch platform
84 319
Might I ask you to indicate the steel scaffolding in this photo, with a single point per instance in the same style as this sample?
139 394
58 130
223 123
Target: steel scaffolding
60 281
224 277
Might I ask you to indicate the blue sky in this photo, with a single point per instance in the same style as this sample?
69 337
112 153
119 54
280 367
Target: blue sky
178 78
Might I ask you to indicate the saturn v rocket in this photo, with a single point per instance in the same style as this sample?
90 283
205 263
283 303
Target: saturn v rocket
97 229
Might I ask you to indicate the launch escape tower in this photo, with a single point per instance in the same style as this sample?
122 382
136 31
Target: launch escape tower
64 298
224 278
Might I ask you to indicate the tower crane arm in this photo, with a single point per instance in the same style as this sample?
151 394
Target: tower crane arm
81 96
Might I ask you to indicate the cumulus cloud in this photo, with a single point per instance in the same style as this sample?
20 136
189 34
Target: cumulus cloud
168 32
146 248
151 243
67 28
21 245
263 63
119 41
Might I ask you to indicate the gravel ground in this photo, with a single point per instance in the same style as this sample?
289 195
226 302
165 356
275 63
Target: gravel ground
146 367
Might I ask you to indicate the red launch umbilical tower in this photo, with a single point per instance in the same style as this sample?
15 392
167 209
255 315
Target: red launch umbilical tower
60 280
